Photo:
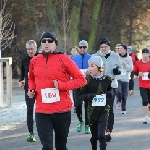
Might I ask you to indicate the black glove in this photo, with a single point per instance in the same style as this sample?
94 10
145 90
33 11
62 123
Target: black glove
116 71
110 94
90 96
149 75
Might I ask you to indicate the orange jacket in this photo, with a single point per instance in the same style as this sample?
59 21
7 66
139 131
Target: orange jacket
43 70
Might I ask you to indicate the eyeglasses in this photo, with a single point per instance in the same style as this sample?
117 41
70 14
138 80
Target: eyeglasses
82 47
103 46
48 40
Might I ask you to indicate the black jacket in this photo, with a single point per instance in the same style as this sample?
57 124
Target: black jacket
96 86
25 69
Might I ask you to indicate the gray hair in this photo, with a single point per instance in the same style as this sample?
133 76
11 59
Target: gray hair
30 42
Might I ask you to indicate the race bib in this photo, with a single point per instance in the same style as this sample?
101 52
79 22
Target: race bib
123 71
83 71
50 95
145 76
99 100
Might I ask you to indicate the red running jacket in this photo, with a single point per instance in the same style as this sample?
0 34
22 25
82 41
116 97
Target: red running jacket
43 70
142 67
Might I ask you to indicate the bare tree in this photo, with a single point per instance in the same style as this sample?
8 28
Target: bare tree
7 28
66 21
6 37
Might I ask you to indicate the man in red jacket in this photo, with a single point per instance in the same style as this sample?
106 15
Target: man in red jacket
49 82
142 67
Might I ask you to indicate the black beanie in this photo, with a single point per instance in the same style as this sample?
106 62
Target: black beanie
49 34
145 50
124 46
104 41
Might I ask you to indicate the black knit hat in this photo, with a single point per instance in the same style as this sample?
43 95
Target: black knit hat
124 46
49 34
145 50
104 41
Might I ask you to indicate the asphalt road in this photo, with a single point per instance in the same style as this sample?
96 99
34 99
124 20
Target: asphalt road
128 134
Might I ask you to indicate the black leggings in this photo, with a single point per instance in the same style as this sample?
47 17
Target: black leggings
30 108
145 94
98 133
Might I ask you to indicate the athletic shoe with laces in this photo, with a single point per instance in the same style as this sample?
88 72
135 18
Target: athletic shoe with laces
87 129
31 138
79 127
118 106
146 120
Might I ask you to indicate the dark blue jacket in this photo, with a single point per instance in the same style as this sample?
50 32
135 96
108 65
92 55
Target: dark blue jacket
82 60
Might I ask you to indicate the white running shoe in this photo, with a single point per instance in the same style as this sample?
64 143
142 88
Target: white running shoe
123 112
146 120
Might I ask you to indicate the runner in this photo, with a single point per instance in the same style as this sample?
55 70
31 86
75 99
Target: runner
49 82
134 59
81 61
123 78
142 67
98 87
31 50
112 64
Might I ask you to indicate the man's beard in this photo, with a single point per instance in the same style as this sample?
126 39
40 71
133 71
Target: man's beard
46 53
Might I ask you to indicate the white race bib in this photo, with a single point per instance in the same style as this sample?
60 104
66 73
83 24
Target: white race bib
83 71
123 71
99 100
50 95
145 76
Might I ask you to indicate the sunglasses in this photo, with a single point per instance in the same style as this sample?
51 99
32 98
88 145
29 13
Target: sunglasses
83 47
48 40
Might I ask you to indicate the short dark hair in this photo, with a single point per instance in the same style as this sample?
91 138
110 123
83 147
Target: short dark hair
124 46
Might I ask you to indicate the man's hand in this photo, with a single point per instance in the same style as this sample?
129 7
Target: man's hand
21 83
31 93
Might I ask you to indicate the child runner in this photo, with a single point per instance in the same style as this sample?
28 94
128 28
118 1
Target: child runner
95 95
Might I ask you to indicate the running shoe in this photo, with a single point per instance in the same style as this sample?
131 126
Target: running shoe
79 127
87 129
31 138
131 92
123 112
146 120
